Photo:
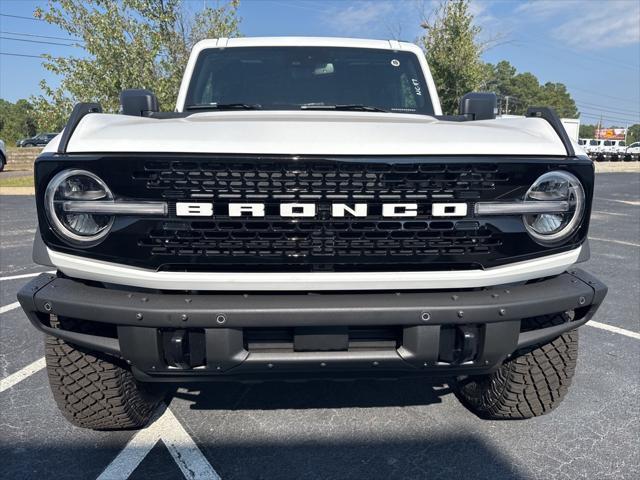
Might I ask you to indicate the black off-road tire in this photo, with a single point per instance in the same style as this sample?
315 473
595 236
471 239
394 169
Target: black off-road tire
531 383
96 391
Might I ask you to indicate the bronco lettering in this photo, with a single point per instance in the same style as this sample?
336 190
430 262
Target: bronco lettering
289 210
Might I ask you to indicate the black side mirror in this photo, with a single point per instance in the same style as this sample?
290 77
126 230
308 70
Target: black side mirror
138 102
479 105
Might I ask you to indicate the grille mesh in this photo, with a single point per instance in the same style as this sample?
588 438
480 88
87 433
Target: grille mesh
297 180
320 239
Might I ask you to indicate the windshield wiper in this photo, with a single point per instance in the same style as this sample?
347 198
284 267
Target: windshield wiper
347 107
224 106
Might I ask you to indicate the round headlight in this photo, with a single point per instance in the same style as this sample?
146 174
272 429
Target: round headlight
77 185
555 227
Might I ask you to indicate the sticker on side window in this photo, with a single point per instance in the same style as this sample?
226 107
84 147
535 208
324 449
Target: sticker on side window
416 85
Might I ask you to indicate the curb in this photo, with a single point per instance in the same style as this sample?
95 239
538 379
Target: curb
609 167
17 191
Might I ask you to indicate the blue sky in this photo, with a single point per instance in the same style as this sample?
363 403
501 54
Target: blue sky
592 46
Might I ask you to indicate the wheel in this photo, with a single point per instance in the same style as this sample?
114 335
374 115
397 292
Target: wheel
531 383
95 391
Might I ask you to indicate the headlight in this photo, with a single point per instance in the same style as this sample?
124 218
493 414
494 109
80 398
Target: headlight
555 227
78 228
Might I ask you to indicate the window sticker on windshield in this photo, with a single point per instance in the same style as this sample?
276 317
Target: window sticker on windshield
395 62
416 85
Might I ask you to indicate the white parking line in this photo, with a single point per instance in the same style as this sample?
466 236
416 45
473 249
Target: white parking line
619 242
24 275
8 308
635 203
11 380
181 446
618 330
611 213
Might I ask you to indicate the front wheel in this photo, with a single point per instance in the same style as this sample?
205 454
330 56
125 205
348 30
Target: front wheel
530 384
95 391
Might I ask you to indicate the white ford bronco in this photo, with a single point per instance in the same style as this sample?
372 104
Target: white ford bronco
308 212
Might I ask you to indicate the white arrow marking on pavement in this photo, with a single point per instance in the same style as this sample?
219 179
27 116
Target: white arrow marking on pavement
185 452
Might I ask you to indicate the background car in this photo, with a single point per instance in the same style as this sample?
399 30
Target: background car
39 140
634 148
3 155
594 146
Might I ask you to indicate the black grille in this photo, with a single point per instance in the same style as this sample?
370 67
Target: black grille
321 180
320 239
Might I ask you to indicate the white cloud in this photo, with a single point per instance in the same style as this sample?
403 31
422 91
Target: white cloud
592 25
360 17
545 8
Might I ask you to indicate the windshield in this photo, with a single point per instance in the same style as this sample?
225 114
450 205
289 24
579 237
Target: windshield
291 78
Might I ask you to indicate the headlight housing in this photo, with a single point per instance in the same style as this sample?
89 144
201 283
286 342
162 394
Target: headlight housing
77 228
551 228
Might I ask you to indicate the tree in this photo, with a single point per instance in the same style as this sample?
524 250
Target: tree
453 52
17 120
519 91
587 131
633 133
127 44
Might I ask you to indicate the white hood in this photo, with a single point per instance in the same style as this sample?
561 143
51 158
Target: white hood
313 133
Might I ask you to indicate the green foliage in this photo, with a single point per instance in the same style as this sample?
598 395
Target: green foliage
453 52
127 44
518 91
633 133
17 120
587 131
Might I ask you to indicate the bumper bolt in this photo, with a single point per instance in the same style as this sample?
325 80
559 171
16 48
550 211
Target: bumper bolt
323 364
426 316
144 299
502 312
375 364
494 295
184 317
270 365
47 306
582 300
187 300
460 314
454 297
221 319
138 316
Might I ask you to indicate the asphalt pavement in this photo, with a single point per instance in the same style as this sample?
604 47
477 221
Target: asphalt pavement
404 429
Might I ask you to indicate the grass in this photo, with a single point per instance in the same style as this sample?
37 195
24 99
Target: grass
26 181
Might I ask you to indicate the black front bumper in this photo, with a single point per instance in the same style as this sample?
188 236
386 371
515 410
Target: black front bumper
179 336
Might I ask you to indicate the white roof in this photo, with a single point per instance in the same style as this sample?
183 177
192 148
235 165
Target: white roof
305 42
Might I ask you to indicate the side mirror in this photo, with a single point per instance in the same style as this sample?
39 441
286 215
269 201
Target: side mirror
138 102
479 105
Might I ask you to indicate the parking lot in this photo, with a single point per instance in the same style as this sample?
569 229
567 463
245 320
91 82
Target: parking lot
348 430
